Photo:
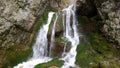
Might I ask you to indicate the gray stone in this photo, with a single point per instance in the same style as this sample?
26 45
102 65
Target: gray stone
17 17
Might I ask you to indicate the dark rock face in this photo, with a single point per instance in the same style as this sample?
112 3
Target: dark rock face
108 11
86 8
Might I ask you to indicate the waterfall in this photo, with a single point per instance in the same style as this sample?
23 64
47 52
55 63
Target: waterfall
40 47
70 34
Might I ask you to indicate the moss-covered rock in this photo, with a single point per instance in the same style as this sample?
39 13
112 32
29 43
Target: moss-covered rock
55 62
16 54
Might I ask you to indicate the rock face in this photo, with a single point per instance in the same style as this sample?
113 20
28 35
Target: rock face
17 17
108 11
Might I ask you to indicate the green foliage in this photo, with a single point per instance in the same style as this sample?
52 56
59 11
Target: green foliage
54 62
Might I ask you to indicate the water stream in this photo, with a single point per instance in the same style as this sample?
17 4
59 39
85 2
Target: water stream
70 33
72 36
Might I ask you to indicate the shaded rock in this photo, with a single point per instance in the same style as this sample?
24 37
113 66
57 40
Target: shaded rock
86 8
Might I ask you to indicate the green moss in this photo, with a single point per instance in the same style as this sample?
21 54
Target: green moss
90 55
16 54
100 45
54 62
84 56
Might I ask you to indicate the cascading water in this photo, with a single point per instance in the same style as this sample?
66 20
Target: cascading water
40 48
72 36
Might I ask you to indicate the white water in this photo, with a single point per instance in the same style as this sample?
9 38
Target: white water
40 48
72 36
